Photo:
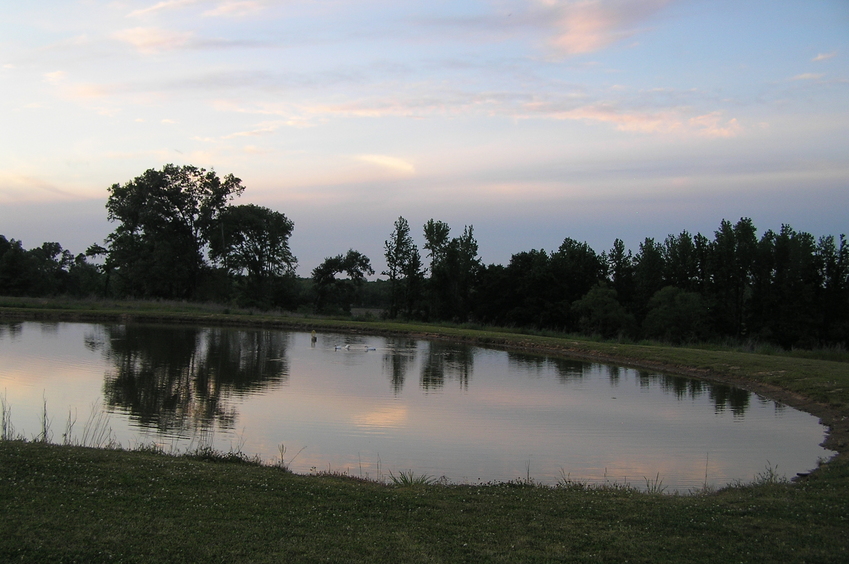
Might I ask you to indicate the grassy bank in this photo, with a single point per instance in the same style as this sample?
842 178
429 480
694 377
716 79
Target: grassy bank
74 504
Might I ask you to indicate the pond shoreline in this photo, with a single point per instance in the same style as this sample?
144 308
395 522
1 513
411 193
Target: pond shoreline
73 503
765 375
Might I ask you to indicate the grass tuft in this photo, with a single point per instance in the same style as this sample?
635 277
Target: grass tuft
409 479
655 486
7 430
208 453
770 476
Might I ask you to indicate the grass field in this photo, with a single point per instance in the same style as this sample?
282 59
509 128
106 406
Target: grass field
77 504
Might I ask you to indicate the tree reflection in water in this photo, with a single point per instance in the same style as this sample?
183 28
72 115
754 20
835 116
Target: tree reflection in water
451 360
182 379
400 355
565 368
14 329
723 397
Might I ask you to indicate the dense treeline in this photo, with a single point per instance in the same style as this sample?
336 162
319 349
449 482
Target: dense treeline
179 236
48 270
785 287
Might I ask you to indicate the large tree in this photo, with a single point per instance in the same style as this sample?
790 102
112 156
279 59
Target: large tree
436 241
252 240
331 292
454 267
251 243
164 217
731 262
404 269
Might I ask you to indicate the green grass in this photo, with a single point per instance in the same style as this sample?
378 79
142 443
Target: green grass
75 504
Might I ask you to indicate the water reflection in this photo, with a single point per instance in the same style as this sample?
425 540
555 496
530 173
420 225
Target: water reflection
447 360
174 379
566 369
723 397
342 401
399 356
13 328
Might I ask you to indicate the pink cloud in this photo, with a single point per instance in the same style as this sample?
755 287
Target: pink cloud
644 122
153 40
234 9
159 6
591 25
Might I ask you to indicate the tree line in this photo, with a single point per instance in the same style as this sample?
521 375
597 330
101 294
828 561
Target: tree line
180 236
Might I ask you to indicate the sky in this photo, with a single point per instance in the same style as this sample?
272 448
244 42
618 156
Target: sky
531 120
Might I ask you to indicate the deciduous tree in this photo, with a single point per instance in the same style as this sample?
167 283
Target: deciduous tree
332 292
404 269
163 216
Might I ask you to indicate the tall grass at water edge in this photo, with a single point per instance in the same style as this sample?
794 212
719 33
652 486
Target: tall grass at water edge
97 433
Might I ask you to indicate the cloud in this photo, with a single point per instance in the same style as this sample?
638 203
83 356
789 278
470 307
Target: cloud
229 8
673 115
16 187
55 77
661 121
234 9
709 125
87 91
824 56
81 91
624 120
263 129
592 25
158 7
254 150
808 76
150 40
392 163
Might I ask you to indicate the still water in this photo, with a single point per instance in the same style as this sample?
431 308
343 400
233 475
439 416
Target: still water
369 406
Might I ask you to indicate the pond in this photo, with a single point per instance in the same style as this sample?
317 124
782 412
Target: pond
370 406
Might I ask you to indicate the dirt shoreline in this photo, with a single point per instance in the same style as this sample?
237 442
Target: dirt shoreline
834 419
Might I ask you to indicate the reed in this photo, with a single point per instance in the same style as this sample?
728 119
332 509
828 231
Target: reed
281 462
97 431
45 435
7 430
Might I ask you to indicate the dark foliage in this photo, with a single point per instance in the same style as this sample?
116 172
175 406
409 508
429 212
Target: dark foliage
334 294
178 237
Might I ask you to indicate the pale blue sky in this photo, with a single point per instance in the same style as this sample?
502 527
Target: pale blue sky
533 120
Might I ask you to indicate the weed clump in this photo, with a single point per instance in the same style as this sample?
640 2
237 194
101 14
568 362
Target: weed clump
409 479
